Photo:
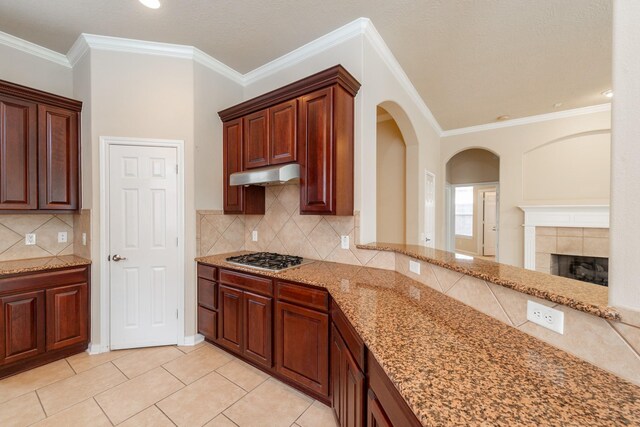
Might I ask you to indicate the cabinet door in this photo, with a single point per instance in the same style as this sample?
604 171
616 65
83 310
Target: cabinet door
18 154
337 375
302 346
258 314
283 119
315 144
230 321
207 323
232 157
58 158
67 308
22 326
353 392
376 417
256 140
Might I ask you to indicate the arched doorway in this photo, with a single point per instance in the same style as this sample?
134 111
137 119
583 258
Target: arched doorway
472 203
391 176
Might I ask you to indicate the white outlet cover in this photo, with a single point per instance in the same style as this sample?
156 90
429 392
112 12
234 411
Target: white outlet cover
344 242
414 267
62 237
254 236
546 317
30 239
84 239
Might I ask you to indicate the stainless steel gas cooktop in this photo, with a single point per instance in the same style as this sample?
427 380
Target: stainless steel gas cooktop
268 261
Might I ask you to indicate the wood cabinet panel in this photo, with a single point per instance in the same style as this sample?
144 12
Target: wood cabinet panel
58 166
207 323
316 152
230 333
22 326
376 417
302 346
67 322
258 315
232 162
256 139
18 154
207 294
248 282
283 122
347 384
303 295
207 272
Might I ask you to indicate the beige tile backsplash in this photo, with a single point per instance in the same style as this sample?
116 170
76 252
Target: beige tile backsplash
13 228
282 229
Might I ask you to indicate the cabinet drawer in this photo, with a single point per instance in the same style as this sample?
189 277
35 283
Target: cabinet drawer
256 284
207 323
207 293
207 272
46 279
351 338
298 294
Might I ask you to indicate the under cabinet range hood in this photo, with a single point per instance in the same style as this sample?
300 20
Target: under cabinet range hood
270 175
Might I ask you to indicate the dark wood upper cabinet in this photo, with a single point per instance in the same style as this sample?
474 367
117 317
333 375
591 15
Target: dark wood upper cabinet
256 140
283 119
66 316
39 150
22 326
58 158
18 154
310 122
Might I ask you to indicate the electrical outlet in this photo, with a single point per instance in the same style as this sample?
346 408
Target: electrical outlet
344 242
414 267
62 237
545 316
254 236
84 239
30 239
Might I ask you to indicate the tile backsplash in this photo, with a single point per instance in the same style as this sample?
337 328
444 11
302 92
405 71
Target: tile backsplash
46 227
282 229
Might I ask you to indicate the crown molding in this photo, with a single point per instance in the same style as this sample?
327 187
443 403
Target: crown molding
215 65
34 49
78 50
346 32
528 120
383 50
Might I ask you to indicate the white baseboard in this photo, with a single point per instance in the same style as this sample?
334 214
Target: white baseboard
190 340
97 348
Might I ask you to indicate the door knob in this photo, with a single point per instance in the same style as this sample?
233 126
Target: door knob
117 258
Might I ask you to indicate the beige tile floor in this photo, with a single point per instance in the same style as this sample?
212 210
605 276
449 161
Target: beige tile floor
160 386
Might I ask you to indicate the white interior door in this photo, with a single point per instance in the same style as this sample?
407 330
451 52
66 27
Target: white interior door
429 209
143 245
489 223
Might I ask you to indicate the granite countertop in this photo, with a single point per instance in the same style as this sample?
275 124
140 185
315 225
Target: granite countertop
40 264
456 366
581 296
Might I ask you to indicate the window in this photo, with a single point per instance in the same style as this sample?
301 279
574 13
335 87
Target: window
464 211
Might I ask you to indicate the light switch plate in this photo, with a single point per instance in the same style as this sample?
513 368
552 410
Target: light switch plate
62 237
545 316
344 242
254 236
414 267
30 239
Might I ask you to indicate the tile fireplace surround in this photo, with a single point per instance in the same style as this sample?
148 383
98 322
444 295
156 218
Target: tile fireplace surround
569 241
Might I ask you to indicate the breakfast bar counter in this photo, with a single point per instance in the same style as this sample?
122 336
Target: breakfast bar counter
456 366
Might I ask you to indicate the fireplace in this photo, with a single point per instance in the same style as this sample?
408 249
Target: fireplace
585 268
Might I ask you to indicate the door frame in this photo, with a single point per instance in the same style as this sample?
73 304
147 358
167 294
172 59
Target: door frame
105 280
480 218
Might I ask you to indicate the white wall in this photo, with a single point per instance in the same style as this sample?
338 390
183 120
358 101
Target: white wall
625 177
511 144
32 71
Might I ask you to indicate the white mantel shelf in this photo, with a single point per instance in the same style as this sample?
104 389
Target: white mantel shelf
584 216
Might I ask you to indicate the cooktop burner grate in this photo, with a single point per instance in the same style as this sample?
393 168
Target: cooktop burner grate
268 261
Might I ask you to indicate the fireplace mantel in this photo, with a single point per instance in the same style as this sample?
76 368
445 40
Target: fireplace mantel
585 216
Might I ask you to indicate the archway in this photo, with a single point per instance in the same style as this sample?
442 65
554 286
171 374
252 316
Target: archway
472 197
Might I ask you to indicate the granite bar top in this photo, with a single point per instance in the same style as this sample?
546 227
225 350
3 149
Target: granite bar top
40 264
578 295
456 366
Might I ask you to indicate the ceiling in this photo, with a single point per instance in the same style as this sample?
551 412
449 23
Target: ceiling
470 60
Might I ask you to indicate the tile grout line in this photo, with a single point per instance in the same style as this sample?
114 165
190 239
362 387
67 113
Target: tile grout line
303 412
500 305
44 411
160 409
101 409
624 339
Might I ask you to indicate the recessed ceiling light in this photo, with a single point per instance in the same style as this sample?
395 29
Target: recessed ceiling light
504 117
608 93
151 4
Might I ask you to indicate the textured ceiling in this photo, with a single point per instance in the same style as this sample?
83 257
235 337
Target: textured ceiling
471 60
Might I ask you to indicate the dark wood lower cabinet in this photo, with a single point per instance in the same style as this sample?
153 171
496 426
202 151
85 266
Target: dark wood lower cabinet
347 384
376 417
257 331
302 347
207 323
230 323
44 316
